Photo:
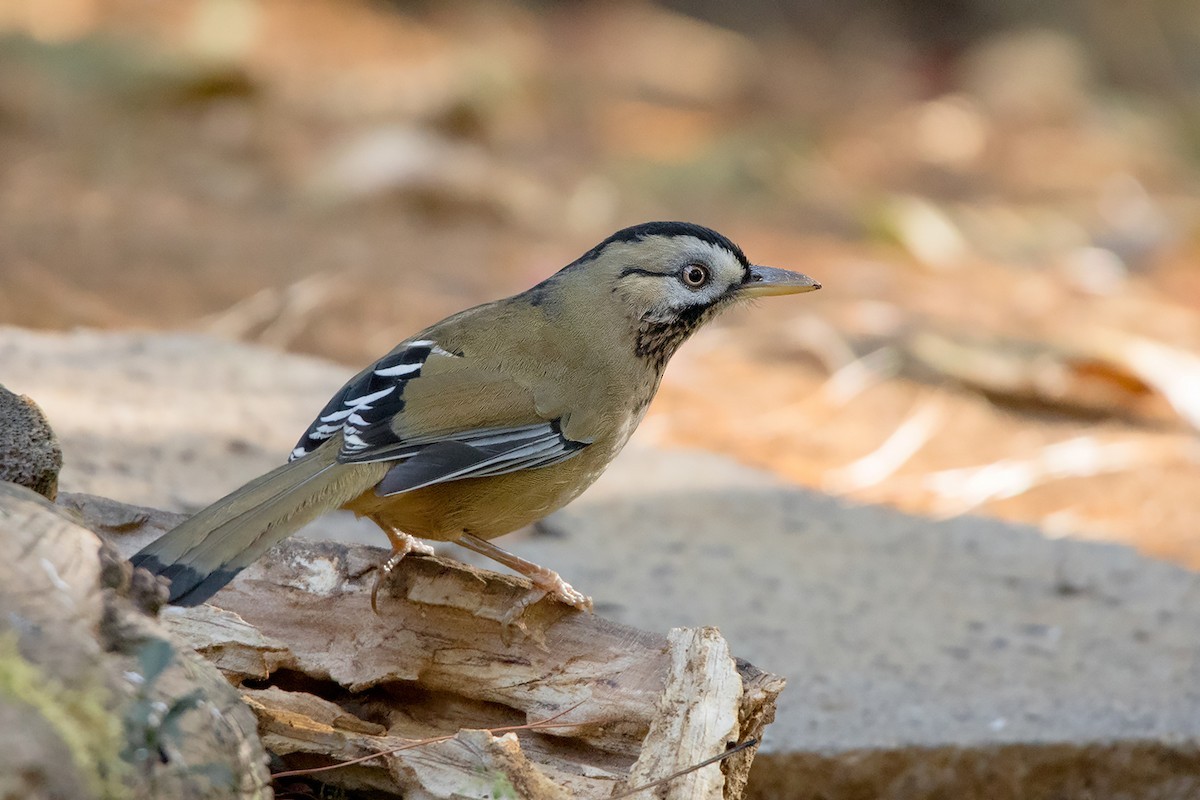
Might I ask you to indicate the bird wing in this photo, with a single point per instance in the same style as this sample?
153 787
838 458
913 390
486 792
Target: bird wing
441 417
376 394
479 454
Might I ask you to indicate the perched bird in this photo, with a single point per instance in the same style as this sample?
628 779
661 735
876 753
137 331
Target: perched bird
490 419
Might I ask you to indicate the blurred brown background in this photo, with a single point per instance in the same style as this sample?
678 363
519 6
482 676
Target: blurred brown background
1000 198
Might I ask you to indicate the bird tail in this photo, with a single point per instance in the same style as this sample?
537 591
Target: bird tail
206 551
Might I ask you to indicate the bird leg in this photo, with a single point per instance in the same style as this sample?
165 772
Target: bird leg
545 581
402 545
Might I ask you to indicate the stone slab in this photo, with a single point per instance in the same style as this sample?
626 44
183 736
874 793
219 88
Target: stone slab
962 658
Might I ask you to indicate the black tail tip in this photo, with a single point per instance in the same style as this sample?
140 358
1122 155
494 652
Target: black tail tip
189 586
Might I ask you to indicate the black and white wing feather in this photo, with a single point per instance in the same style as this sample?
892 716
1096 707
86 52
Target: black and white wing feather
477 454
363 412
370 400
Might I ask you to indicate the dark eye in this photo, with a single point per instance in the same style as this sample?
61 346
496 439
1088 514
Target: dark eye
695 275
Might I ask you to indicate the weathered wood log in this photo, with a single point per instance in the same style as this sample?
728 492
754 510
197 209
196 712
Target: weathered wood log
424 686
97 699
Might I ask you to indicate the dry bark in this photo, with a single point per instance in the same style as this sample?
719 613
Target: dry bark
424 685
97 700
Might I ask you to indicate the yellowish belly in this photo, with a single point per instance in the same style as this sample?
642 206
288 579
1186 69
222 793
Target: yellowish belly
484 507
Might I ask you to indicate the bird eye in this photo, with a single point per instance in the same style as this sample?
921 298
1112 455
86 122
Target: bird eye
695 275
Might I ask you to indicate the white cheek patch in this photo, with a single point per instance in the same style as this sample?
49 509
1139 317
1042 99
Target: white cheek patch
680 297
662 293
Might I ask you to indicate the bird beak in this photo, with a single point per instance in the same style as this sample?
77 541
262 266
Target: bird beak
765 281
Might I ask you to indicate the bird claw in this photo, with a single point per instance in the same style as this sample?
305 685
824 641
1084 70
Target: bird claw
563 592
568 594
401 548
422 548
547 582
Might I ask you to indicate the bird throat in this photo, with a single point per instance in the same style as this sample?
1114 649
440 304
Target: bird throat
657 340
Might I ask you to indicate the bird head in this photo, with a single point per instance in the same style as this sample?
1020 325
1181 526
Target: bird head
669 278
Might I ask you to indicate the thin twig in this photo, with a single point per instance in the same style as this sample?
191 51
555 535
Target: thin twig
854 378
719 757
1173 372
280 313
958 491
823 341
896 451
549 722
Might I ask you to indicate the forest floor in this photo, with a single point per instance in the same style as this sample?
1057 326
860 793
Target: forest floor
1009 324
